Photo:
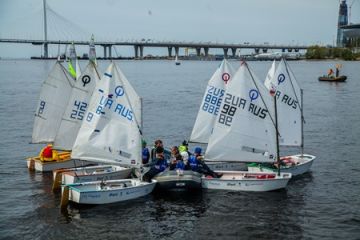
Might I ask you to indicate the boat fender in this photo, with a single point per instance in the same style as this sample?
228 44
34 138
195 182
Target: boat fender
261 176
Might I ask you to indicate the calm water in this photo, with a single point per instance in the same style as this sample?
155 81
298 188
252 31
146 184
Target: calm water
324 204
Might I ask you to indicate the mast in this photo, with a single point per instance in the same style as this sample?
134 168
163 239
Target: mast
277 135
302 122
45 31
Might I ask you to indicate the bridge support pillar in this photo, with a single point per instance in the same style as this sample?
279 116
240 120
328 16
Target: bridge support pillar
141 52
169 51
283 50
233 51
110 55
46 50
265 50
225 52
206 50
257 50
136 51
105 55
176 51
290 50
296 50
198 52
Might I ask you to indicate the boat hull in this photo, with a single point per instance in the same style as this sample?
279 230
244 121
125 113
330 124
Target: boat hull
89 174
246 181
302 165
173 180
34 163
111 191
333 79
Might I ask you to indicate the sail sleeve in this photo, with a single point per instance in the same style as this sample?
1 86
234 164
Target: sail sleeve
209 107
54 96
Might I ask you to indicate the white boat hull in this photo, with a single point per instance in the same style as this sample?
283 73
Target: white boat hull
247 181
301 165
112 191
44 166
95 173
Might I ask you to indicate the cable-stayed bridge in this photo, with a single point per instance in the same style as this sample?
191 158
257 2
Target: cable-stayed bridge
58 30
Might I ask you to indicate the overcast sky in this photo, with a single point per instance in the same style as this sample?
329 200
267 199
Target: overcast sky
230 21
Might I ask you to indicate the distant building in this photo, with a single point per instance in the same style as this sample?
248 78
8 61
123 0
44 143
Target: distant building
342 21
347 35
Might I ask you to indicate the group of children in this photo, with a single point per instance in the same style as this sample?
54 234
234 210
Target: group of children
180 159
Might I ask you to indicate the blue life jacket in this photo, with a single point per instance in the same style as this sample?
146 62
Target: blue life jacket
180 165
193 162
145 155
161 164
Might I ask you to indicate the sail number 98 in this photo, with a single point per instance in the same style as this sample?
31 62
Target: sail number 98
226 115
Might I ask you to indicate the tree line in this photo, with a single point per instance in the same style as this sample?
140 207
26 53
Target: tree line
319 52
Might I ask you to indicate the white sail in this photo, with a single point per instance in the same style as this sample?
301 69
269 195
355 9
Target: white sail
92 50
244 130
270 75
289 109
210 104
54 96
73 64
76 108
78 69
110 132
136 102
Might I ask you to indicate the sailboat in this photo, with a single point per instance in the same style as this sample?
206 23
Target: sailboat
69 130
289 96
54 95
60 111
209 109
245 131
110 133
177 60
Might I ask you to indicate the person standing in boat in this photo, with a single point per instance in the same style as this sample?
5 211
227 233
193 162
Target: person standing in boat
145 153
160 164
337 70
197 164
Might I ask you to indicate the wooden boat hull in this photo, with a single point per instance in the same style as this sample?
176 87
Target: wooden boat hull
89 174
111 191
172 180
333 79
300 165
247 181
35 163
